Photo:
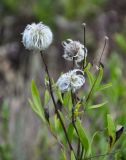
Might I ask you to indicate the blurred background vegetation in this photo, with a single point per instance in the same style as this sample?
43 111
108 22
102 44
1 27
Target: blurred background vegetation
22 135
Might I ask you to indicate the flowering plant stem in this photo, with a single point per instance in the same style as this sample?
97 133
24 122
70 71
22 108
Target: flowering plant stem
56 110
73 95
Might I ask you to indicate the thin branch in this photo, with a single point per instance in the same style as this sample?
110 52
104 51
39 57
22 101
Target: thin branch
73 122
84 27
105 43
53 99
73 63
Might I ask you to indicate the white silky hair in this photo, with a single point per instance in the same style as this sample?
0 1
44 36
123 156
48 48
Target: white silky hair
72 80
74 50
37 36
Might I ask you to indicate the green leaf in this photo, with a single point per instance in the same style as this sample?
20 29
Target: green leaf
83 137
70 131
36 96
63 155
59 130
90 76
58 93
111 131
57 124
72 156
92 140
46 80
77 106
96 83
104 86
35 109
67 100
46 97
99 78
76 109
36 101
97 105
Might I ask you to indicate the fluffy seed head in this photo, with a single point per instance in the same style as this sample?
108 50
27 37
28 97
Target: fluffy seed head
74 50
37 37
72 80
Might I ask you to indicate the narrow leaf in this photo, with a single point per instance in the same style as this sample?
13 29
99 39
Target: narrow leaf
34 109
83 136
104 86
111 131
97 105
70 131
46 97
59 130
90 77
92 140
63 155
77 106
72 156
99 78
36 100
58 93
67 100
